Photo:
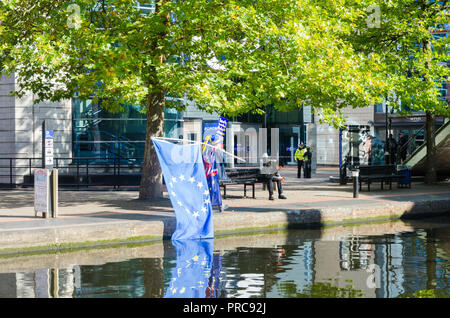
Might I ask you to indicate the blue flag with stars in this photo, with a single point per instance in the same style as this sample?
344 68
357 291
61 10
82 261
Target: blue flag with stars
190 278
185 178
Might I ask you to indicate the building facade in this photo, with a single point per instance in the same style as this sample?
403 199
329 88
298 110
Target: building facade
21 130
84 130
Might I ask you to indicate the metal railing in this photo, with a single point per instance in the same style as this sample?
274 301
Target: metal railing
75 173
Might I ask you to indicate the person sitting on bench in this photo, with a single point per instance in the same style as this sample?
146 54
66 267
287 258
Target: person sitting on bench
272 175
277 178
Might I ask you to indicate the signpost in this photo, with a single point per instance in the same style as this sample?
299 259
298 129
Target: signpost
48 146
42 192
46 179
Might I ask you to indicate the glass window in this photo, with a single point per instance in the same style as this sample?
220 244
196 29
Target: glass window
98 133
379 108
87 109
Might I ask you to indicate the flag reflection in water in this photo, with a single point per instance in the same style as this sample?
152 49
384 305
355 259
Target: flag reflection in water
197 271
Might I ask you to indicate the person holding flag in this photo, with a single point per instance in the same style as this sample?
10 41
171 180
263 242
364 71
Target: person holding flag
191 194
212 176
210 145
184 174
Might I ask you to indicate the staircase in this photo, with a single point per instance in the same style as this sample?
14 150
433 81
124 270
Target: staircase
417 159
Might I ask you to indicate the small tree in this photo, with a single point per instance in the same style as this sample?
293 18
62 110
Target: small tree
403 36
228 56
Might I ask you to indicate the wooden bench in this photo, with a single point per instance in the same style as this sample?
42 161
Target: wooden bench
242 176
383 174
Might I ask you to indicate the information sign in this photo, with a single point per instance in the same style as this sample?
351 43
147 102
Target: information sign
42 191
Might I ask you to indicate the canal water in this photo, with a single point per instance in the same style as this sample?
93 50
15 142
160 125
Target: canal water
378 260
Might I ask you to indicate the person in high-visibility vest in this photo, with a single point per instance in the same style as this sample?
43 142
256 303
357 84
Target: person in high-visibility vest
300 157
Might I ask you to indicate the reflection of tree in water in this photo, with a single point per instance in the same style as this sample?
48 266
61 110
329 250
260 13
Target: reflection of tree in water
420 262
134 278
434 247
426 293
265 261
153 277
319 290
430 247
353 254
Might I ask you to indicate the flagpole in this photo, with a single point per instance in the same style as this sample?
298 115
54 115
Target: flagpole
201 143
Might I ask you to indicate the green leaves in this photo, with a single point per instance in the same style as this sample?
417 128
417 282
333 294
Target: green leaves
410 52
231 57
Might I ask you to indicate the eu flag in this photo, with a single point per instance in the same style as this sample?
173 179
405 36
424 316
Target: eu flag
192 274
185 178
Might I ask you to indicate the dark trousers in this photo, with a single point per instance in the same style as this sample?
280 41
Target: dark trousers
299 168
270 186
403 156
393 159
307 169
390 159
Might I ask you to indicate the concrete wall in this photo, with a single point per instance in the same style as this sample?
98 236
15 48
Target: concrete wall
21 128
327 142
7 117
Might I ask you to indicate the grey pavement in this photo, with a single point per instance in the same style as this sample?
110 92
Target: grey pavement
93 217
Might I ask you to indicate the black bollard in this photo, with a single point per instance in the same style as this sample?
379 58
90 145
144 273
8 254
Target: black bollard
343 174
355 174
342 177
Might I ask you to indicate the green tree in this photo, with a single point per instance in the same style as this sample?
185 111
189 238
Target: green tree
403 36
229 56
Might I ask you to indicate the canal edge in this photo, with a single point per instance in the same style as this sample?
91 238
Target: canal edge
48 240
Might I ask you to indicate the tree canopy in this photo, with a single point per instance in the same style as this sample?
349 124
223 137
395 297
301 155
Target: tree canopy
228 56
411 43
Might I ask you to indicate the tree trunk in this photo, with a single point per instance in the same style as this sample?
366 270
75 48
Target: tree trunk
430 163
430 249
151 180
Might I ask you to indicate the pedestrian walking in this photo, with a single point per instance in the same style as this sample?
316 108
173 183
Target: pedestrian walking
390 149
300 158
403 140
